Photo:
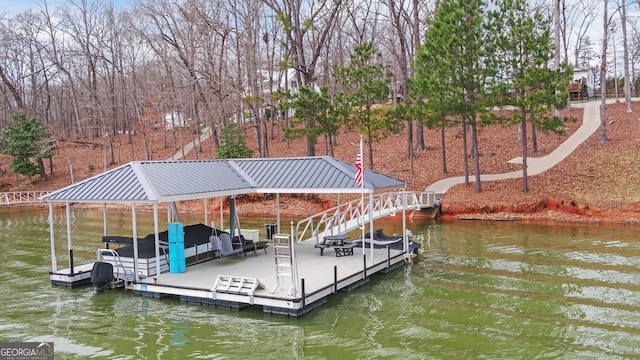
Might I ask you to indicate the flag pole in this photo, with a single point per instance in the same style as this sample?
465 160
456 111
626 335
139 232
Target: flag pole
359 178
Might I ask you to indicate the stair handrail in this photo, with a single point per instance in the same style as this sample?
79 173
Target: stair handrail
127 275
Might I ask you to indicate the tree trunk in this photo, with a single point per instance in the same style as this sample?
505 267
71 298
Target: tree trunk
534 138
603 78
627 82
444 151
525 182
465 153
556 23
43 173
420 137
476 155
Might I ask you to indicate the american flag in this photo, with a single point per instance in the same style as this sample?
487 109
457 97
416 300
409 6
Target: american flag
359 169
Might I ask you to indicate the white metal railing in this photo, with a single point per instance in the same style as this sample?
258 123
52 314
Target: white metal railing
21 197
351 215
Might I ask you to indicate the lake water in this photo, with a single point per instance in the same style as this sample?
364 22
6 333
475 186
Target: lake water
480 290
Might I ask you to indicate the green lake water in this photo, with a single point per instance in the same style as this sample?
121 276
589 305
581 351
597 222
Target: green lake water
480 290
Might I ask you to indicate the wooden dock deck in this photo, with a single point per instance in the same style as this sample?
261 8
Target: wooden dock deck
319 277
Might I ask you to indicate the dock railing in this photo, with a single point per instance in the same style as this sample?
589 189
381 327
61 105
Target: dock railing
350 216
21 197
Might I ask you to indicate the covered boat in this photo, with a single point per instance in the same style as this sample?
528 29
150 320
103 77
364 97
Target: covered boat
381 240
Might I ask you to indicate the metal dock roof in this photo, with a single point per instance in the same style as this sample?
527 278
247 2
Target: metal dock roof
179 180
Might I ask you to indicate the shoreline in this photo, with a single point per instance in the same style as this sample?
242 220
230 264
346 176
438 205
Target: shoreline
527 213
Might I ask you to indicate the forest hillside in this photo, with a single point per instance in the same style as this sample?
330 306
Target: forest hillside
596 183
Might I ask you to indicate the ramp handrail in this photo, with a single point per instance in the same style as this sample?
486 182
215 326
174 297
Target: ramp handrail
349 216
21 197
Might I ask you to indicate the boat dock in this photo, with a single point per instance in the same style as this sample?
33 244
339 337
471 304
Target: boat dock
320 277
295 276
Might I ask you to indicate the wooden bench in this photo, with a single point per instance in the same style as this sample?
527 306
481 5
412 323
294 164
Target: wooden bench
345 250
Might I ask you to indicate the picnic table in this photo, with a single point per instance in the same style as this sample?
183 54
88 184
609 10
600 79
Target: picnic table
337 242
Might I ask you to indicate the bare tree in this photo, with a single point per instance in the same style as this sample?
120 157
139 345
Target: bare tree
177 25
603 75
306 34
577 16
625 46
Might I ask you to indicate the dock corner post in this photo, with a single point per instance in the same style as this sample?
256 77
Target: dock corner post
69 247
364 271
335 278
134 223
54 260
156 237
71 271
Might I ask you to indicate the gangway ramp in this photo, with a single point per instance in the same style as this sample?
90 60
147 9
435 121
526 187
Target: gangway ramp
350 216
21 197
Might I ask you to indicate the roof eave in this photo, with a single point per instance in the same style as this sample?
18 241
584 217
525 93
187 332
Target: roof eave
101 201
207 195
312 191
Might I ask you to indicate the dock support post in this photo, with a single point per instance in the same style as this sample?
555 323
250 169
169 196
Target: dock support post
364 271
335 279
72 272
54 261
304 295
68 215
388 257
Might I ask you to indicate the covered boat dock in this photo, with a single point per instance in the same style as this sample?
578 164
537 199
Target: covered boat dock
291 279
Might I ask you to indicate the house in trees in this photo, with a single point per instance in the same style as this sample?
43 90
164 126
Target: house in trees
270 82
174 119
583 85
273 80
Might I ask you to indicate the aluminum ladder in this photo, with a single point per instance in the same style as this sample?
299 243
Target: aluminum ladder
283 255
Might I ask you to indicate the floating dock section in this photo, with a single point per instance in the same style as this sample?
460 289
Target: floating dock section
236 282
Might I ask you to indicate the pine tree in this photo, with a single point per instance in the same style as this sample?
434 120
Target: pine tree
527 82
28 140
365 83
316 113
452 70
232 143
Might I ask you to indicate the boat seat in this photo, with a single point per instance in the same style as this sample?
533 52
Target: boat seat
226 247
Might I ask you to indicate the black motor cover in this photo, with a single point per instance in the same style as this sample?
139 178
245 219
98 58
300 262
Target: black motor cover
101 275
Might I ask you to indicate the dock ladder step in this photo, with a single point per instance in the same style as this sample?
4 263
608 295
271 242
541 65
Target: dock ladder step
237 285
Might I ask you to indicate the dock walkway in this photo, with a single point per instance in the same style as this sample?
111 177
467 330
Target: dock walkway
21 197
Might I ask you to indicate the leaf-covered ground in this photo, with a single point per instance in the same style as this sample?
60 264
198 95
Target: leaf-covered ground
596 183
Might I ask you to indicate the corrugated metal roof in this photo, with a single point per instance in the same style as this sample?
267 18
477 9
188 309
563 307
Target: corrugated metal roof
175 180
